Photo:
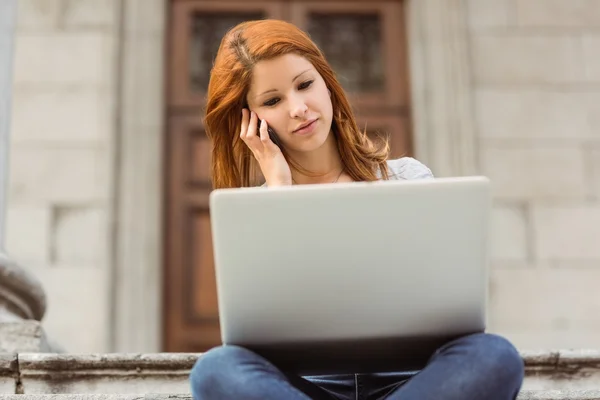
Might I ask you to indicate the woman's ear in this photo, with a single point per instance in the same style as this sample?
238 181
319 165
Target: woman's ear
329 91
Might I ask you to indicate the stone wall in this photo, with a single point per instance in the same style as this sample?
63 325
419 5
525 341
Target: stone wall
536 92
60 190
536 77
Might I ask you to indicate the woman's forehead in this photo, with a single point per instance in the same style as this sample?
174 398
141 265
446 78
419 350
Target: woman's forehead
279 71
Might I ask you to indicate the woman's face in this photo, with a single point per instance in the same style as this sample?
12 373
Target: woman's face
291 96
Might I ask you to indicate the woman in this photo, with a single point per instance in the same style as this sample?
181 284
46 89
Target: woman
270 74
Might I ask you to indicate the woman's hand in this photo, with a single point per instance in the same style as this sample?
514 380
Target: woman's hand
269 156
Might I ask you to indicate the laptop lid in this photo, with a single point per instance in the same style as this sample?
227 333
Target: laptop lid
343 276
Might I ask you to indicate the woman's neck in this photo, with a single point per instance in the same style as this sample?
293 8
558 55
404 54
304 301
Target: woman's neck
325 163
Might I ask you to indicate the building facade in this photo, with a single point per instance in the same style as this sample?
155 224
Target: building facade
107 198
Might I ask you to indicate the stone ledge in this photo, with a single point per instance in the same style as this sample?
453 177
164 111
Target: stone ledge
525 395
168 373
80 363
9 373
23 336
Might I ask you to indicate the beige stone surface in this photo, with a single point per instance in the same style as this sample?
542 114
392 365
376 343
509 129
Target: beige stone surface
594 160
33 223
59 58
527 59
78 318
524 395
509 232
23 336
485 14
42 15
80 236
558 13
63 115
70 175
535 172
8 373
567 232
591 48
544 308
560 395
145 18
106 373
594 101
536 113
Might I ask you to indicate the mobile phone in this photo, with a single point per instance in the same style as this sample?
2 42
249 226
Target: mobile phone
272 134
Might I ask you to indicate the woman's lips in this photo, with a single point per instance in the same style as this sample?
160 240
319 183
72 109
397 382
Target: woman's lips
306 128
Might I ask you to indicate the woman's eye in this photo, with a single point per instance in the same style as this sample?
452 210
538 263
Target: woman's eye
305 85
271 102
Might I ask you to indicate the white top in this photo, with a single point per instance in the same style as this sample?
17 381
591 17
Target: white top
408 168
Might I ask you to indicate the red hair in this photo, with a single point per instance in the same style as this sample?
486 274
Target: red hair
246 44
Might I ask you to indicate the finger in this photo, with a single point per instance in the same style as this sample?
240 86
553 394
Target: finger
244 127
251 132
265 138
264 132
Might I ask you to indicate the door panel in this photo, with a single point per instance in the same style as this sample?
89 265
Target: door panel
191 313
365 43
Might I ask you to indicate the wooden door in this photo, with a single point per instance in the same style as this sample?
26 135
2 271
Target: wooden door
365 42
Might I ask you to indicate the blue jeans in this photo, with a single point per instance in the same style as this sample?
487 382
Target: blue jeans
478 366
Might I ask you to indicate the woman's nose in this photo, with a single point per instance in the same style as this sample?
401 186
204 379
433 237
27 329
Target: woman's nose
298 109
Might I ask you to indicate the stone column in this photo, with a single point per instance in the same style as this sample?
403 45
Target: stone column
22 298
8 16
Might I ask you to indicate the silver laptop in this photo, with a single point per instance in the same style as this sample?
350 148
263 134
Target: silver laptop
351 277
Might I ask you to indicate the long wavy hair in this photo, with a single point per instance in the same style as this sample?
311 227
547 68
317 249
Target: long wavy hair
246 44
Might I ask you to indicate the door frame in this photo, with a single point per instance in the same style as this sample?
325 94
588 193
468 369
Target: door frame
442 132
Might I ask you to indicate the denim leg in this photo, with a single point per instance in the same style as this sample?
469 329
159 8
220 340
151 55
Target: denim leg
474 367
233 372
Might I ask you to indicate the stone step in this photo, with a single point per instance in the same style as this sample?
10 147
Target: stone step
525 395
168 373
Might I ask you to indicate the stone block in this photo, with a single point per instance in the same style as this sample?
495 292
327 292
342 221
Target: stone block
528 113
58 175
567 232
76 58
522 59
73 115
509 232
22 336
535 172
106 373
594 160
558 13
593 104
80 236
484 14
91 13
165 375
143 61
78 307
39 15
53 15
546 308
8 372
145 16
591 48
28 234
